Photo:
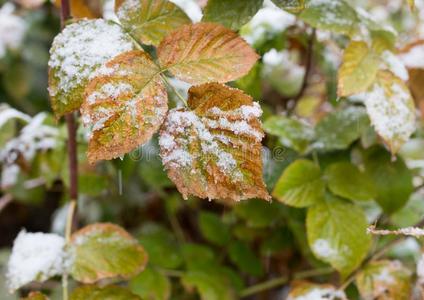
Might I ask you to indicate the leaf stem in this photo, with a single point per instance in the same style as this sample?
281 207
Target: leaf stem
165 79
276 282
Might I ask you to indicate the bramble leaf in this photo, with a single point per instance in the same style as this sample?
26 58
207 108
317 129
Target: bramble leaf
359 68
231 14
80 9
124 105
35 296
213 229
212 149
149 21
293 6
391 109
206 52
345 180
91 292
306 290
300 185
77 52
152 285
385 279
337 233
105 251
335 15
392 179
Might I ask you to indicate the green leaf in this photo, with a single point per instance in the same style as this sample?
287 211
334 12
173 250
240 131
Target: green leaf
197 256
392 179
358 70
125 104
76 54
300 185
293 6
292 133
231 14
337 233
105 251
339 129
345 180
149 21
92 184
246 260
411 213
391 109
151 285
210 284
102 293
333 15
161 246
385 279
213 229
258 213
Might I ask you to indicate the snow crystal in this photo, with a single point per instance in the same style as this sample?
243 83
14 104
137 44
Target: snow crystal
321 294
390 114
83 47
36 257
268 20
12 29
109 11
414 58
191 8
322 248
395 65
110 91
175 143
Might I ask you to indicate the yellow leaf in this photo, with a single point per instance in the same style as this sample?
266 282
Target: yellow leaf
80 9
358 71
150 21
212 149
125 104
206 52
391 109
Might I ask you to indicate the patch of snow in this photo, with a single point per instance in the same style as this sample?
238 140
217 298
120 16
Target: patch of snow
36 257
191 8
414 58
12 29
395 65
321 294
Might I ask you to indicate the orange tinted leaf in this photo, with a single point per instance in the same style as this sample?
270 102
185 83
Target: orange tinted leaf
212 149
80 9
103 251
206 52
35 296
308 290
150 21
124 105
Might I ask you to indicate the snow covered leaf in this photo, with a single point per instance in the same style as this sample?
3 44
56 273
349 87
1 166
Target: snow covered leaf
91 292
293 6
301 184
206 52
292 133
105 251
333 15
213 148
77 52
392 179
149 21
231 14
388 280
124 105
35 296
336 232
359 68
36 257
304 290
80 9
391 109
339 129
346 180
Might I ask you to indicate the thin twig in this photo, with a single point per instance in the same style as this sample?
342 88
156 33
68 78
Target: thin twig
276 282
412 231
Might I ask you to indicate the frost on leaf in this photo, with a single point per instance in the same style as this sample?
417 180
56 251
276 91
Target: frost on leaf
206 52
124 105
310 291
78 51
213 149
36 257
105 251
150 21
359 68
388 280
391 109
